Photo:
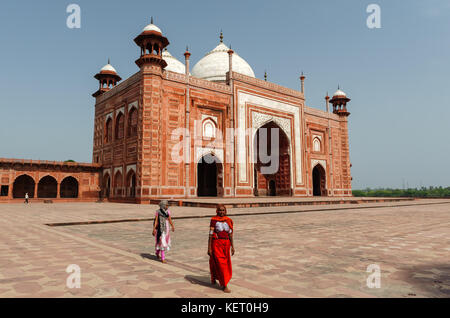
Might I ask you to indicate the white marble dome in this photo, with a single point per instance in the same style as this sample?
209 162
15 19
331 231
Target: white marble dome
215 64
108 68
339 93
173 64
152 27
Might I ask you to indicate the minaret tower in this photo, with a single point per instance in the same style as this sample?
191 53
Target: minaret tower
339 102
152 118
107 78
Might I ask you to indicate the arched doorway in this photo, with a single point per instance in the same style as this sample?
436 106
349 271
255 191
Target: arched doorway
118 183
209 177
106 185
131 184
319 181
23 184
272 178
69 188
47 187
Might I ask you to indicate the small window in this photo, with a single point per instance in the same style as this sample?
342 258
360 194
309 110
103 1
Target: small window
209 129
317 147
4 191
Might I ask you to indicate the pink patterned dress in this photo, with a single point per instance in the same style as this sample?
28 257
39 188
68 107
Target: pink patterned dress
163 233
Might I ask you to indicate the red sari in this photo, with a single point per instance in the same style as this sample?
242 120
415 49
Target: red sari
220 259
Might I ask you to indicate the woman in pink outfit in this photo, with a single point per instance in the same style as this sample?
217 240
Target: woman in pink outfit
161 230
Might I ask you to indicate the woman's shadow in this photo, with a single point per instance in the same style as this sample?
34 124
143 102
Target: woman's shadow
197 280
202 281
150 256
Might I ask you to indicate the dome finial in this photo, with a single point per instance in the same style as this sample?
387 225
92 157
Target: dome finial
265 76
221 36
151 20
109 61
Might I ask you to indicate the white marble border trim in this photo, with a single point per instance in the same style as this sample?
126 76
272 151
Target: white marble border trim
107 171
110 115
259 120
118 169
200 152
120 110
315 162
131 167
133 104
243 98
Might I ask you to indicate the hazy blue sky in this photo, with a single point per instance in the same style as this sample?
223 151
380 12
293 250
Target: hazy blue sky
396 76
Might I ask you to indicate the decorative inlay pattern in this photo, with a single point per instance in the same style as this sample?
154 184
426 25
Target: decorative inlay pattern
200 152
260 119
315 162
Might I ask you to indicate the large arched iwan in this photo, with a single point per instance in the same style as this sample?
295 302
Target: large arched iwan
276 181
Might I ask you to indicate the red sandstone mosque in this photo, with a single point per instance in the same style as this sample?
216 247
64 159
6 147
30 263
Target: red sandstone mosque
135 143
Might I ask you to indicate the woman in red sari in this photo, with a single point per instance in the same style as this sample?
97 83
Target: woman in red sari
219 245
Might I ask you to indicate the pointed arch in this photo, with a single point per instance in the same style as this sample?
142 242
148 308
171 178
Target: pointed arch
108 130
317 144
23 184
69 188
120 125
47 187
209 176
106 185
131 183
319 180
132 122
118 183
272 178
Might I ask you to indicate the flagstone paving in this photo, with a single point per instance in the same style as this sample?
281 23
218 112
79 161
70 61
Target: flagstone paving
318 251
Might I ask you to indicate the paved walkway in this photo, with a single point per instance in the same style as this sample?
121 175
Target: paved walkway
305 251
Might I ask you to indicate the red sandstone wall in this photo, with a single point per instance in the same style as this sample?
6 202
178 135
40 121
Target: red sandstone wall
118 153
335 152
162 103
88 182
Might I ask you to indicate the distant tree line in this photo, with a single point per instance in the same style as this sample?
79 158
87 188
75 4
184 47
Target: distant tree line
431 192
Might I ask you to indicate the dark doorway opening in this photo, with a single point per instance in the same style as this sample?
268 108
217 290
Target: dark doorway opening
209 177
23 184
319 182
131 184
106 185
47 187
69 188
272 188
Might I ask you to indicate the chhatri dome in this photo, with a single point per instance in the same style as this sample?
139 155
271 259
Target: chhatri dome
173 64
108 69
339 93
152 27
215 64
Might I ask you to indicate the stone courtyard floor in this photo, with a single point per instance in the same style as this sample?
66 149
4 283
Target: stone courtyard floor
297 251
